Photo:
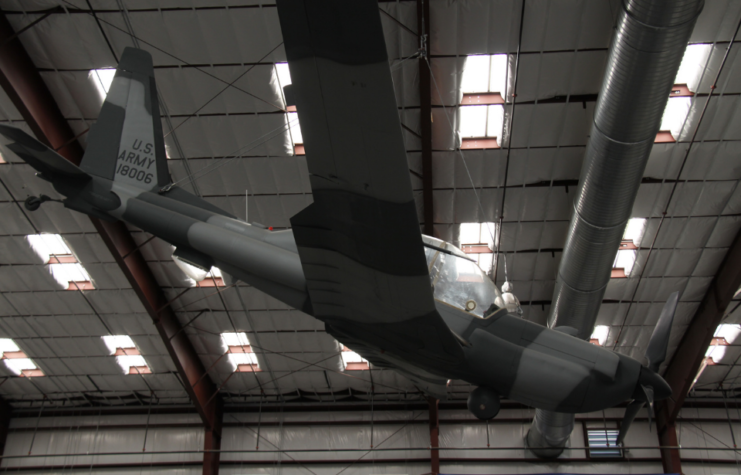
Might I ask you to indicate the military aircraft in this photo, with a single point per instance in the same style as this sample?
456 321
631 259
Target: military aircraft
355 258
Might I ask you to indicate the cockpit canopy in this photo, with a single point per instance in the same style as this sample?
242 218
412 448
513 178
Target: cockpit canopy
458 281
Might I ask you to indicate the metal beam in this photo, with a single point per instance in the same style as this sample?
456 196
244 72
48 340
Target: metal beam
683 368
434 436
425 112
22 82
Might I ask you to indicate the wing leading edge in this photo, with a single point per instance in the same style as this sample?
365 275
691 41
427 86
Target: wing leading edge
359 242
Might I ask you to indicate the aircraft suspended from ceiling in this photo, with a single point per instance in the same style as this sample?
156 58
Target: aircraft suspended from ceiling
355 258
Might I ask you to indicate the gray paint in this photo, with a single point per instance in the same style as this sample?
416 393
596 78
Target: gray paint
356 260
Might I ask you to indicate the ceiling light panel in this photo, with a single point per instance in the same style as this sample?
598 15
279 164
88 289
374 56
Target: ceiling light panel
16 360
675 115
485 73
693 65
63 265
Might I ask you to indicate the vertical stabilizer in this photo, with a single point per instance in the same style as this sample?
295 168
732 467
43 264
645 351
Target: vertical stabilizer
126 143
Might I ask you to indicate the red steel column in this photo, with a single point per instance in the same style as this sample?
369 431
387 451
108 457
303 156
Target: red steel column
683 368
434 436
212 445
670 458
22 82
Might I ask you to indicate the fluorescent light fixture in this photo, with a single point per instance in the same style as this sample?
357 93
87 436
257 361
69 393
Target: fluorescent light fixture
675 115
63 266
102 78
625 260
485 74
481 121
693 64
634 230
600 334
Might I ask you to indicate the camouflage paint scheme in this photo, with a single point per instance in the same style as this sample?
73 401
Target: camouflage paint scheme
355 258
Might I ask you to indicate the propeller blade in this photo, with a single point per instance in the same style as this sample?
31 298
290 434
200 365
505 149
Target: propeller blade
656 351
630 413
649 392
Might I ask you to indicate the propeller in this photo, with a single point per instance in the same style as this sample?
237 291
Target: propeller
649 381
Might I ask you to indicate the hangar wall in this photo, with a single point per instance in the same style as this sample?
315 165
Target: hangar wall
332 442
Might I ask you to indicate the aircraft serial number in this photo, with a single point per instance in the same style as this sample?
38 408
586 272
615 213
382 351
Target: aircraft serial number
135 173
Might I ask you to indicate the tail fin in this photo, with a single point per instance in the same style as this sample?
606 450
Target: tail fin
126 144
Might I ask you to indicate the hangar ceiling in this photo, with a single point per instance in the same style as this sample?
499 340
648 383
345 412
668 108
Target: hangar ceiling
215 70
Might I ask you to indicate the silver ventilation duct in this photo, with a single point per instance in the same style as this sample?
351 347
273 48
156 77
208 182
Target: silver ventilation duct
649 42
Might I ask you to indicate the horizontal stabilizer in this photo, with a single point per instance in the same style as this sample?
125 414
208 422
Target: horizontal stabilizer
43 159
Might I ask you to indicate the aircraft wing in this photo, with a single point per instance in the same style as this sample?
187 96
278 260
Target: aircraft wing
359 242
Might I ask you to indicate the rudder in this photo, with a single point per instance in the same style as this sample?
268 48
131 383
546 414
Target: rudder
126 144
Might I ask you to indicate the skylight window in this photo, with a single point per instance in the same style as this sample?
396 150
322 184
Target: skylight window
483 85
102 79
353 361
626 255
240 353
686 82
63 265
284 79
675 115
199 277
127 354
724 335
693 64
17 361
599 335
634 230
485 73
477 240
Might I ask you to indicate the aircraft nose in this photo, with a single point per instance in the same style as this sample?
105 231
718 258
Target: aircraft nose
660 387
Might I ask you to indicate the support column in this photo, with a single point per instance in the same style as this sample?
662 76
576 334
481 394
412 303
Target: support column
670 458
684 365
212 444
27 90
434 436
425 113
